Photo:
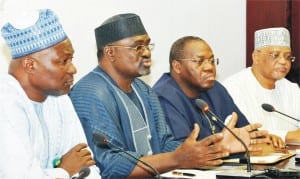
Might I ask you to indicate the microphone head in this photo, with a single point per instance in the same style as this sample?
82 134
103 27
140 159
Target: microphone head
202 105
84 172
99 139
268 107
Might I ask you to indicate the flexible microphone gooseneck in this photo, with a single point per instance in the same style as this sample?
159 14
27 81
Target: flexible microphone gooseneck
270 108
205 108
84 172
101 140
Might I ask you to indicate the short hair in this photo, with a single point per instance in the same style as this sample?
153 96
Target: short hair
177 48
100 52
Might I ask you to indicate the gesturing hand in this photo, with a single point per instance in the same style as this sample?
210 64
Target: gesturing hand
206 152
249 134
79 156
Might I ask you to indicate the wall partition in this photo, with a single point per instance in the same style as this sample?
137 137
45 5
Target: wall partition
221 23
275 13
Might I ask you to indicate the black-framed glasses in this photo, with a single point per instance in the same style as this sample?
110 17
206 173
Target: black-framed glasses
138 48
200 61
276 55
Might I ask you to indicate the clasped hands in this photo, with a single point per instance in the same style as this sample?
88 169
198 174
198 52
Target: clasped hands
256 140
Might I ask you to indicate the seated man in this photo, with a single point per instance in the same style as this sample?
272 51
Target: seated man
40 133
192 76
264 82
113 101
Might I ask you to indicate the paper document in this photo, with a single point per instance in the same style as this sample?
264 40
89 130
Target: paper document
270 158
191 173
264 159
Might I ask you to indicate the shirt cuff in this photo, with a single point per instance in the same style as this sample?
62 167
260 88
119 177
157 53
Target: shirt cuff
58 173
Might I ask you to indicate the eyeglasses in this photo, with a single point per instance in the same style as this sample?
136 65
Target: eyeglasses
276 55
138 48
200 61
288 57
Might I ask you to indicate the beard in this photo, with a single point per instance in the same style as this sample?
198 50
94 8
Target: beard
144 70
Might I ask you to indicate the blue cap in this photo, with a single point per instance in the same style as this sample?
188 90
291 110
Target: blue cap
46 32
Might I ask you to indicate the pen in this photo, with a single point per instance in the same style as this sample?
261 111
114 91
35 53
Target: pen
183 174
236 160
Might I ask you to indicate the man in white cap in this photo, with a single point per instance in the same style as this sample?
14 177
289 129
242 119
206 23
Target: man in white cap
40 133
264 82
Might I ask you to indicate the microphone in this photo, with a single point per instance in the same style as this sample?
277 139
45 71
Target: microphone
205 108
101 140
84 172
270 108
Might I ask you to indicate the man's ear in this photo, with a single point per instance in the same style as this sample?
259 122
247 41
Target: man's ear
109 53
255 57
176 66
28 64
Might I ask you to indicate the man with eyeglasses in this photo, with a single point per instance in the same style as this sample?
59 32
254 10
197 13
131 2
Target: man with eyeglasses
113 101
192 76
264 82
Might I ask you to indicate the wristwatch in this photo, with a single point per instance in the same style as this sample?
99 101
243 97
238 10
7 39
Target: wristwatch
56 162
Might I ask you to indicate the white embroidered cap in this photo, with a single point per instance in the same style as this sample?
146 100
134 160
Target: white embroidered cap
277 36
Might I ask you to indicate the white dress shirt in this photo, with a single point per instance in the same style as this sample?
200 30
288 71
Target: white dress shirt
249 95
33 134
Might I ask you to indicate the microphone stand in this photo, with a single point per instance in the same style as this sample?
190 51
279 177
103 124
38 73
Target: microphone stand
287 115
235 173
215 118
157 175
269 108
100 140
84 172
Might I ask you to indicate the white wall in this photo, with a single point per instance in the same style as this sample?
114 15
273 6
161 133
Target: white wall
222 23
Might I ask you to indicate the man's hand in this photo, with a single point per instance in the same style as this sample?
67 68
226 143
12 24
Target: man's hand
78 157
248 134
206 152
276 141
293 136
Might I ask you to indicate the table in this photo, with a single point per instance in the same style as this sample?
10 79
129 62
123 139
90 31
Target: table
288 163
211 174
